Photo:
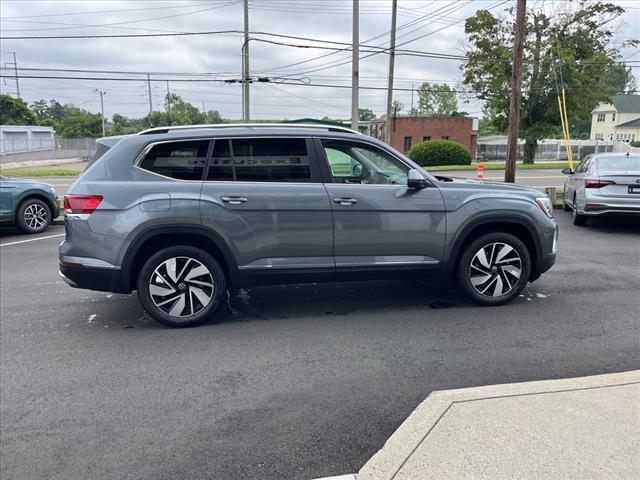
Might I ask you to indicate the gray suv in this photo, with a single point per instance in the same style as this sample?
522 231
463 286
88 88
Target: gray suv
184 214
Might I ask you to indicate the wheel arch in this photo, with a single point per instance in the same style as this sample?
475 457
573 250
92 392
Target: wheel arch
520 227
152 240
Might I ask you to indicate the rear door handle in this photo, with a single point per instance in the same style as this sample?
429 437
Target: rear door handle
345 200
233 199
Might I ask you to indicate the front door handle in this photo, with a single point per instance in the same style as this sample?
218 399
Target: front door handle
233 199
345 200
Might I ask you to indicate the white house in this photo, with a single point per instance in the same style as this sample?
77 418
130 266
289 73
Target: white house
618 120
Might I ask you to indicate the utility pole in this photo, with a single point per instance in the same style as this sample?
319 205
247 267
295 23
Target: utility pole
168 102
245 65
149 91
516 93
15 70
412 96
102 94
355 114
392 58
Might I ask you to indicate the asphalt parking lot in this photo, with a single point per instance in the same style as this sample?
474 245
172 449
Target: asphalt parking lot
295 382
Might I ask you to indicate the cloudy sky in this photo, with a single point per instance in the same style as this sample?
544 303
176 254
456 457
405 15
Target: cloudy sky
426 25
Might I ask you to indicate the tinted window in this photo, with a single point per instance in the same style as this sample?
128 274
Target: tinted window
260 160
353 162
180 160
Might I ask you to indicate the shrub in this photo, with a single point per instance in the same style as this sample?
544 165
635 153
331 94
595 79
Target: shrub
635 144
439 152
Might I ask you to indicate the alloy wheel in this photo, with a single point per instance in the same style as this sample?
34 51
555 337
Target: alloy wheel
181 286
35 216
495 269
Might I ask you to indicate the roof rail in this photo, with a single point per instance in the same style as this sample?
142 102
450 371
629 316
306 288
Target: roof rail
329 128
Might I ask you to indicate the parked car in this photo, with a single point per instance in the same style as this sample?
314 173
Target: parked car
603 184
28 204
183 214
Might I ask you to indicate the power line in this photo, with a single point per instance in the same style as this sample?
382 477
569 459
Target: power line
108 25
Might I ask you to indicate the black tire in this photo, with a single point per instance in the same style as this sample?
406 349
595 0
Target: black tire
191 310
501 275
33 216
578 220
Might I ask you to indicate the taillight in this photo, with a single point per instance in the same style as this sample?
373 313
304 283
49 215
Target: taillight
81 203
593 183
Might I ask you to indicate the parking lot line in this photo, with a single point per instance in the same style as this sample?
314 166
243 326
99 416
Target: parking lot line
32 239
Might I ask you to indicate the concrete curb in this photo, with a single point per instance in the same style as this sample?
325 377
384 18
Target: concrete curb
388 461
40 163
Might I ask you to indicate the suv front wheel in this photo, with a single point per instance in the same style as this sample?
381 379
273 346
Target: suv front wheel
181 286
494 268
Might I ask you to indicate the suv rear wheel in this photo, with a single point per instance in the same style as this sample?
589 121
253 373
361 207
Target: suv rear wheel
34 216
494 268
181 286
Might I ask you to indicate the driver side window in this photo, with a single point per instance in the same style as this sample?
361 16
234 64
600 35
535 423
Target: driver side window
353 162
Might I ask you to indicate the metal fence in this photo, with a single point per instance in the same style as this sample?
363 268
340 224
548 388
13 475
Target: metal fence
48 149
549 150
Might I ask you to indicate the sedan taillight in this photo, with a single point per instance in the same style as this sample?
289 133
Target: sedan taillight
81 203
594 183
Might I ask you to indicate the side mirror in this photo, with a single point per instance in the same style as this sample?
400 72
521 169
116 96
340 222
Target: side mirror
415 179
356 171
567 171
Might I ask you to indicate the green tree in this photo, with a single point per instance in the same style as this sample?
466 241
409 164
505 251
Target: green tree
39 108
14 111
582 42
366 114
397 107
177 112
77 123
435 100
213 116
121 125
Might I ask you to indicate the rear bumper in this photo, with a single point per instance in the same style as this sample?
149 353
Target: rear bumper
92 278
596 209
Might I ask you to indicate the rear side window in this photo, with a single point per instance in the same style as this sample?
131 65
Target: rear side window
179 160
260 160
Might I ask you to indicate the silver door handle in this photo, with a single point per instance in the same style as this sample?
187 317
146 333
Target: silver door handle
345 201
233 199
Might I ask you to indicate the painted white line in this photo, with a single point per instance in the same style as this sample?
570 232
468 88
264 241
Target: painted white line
32 240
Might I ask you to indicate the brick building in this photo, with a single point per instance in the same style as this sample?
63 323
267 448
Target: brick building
407 131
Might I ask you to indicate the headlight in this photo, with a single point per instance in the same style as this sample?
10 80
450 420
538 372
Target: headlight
545 204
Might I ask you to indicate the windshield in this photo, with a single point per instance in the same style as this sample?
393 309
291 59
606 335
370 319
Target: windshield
618 163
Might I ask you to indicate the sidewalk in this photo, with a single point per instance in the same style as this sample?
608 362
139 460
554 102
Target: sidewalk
578 428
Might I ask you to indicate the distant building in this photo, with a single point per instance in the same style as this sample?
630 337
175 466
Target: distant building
25 138
407 131
617 121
